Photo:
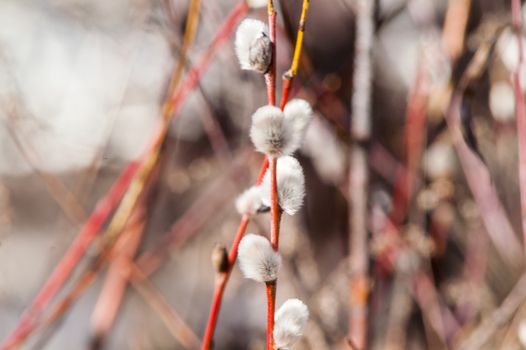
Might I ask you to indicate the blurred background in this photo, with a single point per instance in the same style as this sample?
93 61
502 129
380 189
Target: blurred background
82 85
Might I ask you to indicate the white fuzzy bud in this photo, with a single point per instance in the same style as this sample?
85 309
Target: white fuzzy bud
291 185
249 202
508 49
439 160
257 3
253 46
278 133
290 323
257 258
298 114
521 332
269 133
502 101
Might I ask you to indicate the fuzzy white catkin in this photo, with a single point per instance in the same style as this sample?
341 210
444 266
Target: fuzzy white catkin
257 3
249 202
508 49
269 132
298 114
290 182
502 101
439 160
257 258
252 39
290 322
521 332
278 133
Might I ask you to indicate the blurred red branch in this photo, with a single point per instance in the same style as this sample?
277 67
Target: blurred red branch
520 111
72 256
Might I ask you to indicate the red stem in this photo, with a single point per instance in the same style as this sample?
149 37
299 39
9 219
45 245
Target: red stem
262 172
232 256
221 284
271 309
270 77
275 214
287 86
114 288
414 136
274 205
270 81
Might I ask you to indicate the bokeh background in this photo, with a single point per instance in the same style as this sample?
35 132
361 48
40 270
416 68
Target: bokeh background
82 85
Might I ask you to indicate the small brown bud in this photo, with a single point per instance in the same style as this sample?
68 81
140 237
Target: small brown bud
220 258
260 53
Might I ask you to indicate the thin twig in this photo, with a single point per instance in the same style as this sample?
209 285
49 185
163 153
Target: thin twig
221 284
359 174
125 248
169 316
112 293
60 193
270 76
288 77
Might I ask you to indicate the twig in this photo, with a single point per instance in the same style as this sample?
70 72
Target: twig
359 174
478 179
221 284
60 193
414 144
171 319
271 310
270 77
288 77
112 293
224 277
275 217
454 27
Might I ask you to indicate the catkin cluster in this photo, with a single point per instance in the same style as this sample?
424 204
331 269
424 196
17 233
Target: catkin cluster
277 134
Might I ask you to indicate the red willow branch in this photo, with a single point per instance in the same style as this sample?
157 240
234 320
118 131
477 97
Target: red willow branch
274 240
270 77
270 80
224 276
275 211
112 293
414 144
